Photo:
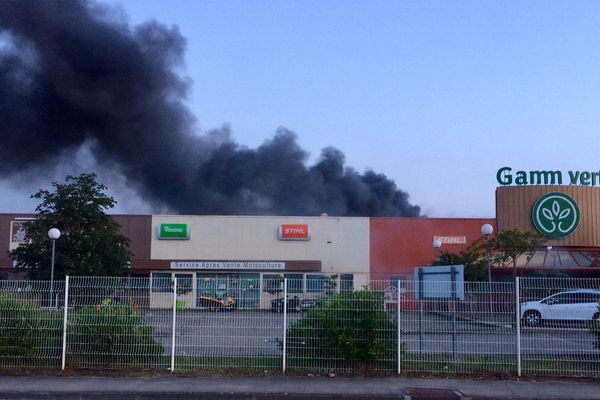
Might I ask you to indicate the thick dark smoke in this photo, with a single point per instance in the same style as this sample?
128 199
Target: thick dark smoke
73 73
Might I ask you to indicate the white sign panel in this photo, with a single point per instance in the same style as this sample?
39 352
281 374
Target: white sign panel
237 265
17 233
436 282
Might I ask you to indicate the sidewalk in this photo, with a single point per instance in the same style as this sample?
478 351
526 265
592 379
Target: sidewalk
290 388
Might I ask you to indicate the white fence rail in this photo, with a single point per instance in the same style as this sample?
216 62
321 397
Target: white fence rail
530 327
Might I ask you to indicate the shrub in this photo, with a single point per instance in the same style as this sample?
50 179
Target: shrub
107 334
26 331
351 326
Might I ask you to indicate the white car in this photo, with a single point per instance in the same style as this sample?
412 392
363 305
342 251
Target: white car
573 305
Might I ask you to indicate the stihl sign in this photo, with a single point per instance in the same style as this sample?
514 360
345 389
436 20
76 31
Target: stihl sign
294 232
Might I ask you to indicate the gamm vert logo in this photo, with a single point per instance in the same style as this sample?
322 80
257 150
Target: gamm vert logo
555 215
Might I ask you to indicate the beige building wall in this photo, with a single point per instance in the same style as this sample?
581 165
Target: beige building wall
341 244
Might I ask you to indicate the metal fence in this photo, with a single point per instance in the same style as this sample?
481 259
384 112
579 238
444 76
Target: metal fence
31 324
531 326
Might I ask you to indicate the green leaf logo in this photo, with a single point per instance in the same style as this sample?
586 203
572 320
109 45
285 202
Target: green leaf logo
555 215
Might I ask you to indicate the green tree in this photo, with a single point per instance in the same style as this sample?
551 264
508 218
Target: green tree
506 247
511 244
473 258
90 242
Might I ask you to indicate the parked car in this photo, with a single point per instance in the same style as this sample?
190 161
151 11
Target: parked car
572 305
217 304
294 304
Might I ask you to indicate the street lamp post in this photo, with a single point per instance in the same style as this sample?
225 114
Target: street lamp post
486 230
436 245
53 234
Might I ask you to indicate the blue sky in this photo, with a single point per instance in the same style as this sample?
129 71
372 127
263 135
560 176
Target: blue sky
437 95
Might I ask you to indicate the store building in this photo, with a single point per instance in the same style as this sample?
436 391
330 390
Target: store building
569 218
243 255
246 256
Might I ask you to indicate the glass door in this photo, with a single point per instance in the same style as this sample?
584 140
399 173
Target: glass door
205 286
249 289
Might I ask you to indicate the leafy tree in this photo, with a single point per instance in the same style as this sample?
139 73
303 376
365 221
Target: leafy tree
90 242
510 244
473 258
506 247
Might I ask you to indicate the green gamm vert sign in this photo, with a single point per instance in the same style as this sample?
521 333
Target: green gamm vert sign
505 176
174 231
555 215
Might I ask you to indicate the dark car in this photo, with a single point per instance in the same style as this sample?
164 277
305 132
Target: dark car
294 304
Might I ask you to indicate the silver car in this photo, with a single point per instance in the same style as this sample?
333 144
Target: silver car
572 305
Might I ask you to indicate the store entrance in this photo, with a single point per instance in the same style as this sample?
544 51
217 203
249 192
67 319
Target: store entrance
244 288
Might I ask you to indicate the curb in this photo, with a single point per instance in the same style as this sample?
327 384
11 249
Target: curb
201 396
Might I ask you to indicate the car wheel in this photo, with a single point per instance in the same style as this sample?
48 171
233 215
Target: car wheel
532 318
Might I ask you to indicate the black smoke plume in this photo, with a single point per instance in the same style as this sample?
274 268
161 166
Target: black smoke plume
74 73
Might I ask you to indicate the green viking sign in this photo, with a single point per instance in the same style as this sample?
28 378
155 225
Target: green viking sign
174 231
555 215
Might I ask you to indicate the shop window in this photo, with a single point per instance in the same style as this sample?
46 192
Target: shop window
184 283
234 280
295 283
566 260
250 281
582 260
537 260
592 255
315 283
205 284
346 282
272 283
138 282
161 282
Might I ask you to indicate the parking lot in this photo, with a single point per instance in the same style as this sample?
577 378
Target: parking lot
228 333
260 332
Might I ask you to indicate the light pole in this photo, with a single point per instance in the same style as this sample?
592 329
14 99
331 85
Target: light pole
437 243
486 230
53 234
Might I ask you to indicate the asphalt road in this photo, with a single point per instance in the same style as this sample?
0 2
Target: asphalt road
289 388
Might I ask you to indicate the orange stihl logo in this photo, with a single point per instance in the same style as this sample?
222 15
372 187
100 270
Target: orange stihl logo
294 231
